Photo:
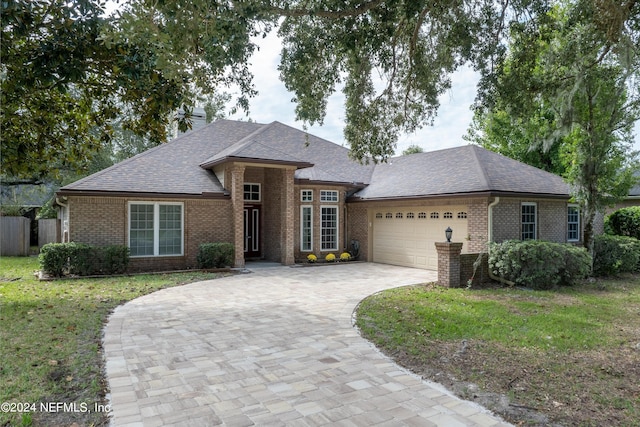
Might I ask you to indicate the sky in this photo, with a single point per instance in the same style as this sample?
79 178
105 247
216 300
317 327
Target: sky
274 104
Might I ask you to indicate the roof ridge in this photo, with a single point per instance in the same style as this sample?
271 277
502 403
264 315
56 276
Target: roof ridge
484 177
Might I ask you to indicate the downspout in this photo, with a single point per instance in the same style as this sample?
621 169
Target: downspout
65 212
490 218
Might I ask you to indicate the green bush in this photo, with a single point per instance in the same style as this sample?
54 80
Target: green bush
215 255
59 259
615 254
624 222
538 264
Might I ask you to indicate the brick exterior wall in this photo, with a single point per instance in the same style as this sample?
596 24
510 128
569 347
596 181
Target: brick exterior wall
343 227
449 264
466 269
272 211
551 219
358 228
103 221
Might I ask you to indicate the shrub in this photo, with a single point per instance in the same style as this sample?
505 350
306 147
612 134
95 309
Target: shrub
330 258
538 264
59 259
345 256
624 222
615 254
215 255
312 258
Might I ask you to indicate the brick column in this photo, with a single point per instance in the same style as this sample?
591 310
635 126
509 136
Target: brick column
237 203
287 218
449 264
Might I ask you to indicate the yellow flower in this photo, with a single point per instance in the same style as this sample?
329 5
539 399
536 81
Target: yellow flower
330 258
345 256
312 258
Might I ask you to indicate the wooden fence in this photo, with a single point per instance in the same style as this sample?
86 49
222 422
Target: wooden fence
48 231
15 236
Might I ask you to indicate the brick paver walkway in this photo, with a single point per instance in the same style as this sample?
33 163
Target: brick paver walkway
270 348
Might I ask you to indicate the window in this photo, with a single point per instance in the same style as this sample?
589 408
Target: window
462 215
388 215
435 215
328 196
306 228
573 223
328 228
528 221
155 229
399 215
410 215
306 196
251 192
422 215
378 215
448 215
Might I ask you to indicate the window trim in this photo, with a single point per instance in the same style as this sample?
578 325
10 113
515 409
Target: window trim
333 199
578 222
302 208
302 195
535 220
337 228
156 227
251 192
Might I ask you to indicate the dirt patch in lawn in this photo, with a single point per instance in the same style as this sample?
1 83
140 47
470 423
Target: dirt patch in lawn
534 386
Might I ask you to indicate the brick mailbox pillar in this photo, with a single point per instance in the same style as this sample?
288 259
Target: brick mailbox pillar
449 264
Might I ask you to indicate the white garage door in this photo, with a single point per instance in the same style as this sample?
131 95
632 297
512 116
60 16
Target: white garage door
407 236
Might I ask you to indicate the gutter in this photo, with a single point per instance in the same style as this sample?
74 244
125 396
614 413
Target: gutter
490 218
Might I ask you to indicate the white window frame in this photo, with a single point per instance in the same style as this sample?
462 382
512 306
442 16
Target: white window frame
535 220
577 223
302 228
156 227
329 196
251 192
306 196
323 228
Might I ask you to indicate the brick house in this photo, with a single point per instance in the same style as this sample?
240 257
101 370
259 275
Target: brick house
279 194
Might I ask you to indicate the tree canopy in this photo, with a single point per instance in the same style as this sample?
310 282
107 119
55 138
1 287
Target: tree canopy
567 93
67 70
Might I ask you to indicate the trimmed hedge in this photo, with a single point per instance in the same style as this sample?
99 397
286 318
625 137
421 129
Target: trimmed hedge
59 259
215 255
539 265
624 222
615 254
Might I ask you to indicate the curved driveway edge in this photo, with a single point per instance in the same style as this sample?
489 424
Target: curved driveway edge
272 348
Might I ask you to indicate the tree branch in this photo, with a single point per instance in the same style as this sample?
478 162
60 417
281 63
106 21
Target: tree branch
330 14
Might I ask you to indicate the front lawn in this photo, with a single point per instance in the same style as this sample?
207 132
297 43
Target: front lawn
570 356
50 340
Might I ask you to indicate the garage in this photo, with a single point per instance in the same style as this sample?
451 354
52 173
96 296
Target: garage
406 236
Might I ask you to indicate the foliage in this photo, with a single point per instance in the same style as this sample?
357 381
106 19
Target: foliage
311 258
537 264
412 149
51 334
565 80
330 258
345 256
575 345
59 259
215 255
624 222
615 254
47 211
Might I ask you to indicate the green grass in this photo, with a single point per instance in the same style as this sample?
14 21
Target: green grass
538 347
50 333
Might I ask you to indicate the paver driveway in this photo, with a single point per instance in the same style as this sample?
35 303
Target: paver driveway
274 347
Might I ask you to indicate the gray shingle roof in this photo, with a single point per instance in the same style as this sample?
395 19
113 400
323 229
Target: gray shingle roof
462 170
181 166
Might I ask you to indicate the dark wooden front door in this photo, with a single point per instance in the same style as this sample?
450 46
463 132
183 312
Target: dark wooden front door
252 231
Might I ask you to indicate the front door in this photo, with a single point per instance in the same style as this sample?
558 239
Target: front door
252 231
